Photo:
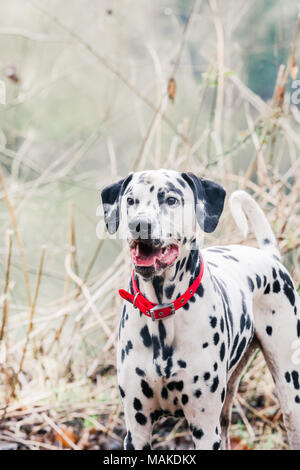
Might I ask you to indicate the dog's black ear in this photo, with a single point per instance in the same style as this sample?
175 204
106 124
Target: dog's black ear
209 200
111 197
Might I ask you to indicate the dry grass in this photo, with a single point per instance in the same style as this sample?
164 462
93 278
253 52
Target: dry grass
57 358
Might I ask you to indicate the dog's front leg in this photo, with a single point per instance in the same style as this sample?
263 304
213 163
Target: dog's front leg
140 407
138 425
203 417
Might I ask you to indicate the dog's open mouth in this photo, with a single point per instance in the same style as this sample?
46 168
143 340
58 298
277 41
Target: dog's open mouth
147 255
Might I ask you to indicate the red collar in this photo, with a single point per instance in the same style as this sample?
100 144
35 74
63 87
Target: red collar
158 311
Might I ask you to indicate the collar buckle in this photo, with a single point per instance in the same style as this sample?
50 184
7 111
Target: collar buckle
161 307
134 300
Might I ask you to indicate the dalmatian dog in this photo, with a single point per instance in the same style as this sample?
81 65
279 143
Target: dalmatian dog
192 317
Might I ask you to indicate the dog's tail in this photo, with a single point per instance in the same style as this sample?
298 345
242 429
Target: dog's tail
242 204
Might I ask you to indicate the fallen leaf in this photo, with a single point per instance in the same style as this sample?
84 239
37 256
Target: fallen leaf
236 443
69 432
172 89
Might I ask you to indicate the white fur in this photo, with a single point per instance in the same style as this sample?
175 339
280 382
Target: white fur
242 205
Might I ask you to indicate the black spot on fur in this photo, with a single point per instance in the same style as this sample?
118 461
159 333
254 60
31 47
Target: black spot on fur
251 284
184 399
181 182
216 338
128 347
195 379
168 368
200 291
258 281
197 432
288 286
146 389
223 395
269 330
214 384
169 291
276 286
155 415
287 377
137 404
173 385
232 258
122 393
213 321
158 370
295 377
206 376
181 363
239 352
141 419
140 372
204 345
289 293
157 283
267 289
156 346
146 336
242 323
216 445
164 393
128 442
222 351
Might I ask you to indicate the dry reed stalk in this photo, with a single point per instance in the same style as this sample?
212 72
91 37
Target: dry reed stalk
244 419
18 236
72 252
6 286
218 113
3 334
32 310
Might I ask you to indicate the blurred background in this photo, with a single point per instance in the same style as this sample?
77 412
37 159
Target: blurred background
91 90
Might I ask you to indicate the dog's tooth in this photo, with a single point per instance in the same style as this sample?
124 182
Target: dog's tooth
137 250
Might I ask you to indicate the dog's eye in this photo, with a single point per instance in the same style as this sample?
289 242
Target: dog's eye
171 201
130 201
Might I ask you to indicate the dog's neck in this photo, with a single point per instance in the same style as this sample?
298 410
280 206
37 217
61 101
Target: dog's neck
174 281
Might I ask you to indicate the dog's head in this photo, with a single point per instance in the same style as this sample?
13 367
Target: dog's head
161 210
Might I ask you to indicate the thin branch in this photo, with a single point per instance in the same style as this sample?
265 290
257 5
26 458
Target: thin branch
30 328
17 234
6 287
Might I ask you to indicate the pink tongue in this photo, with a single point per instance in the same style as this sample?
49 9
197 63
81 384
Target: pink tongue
145 260
156 258
170 255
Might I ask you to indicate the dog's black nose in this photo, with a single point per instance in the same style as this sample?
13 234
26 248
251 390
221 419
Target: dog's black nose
140 228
